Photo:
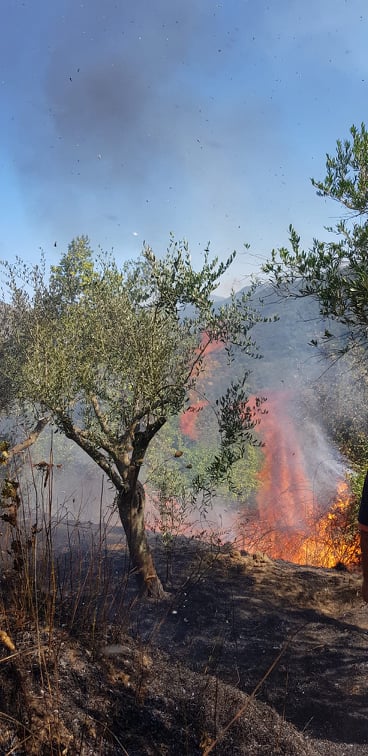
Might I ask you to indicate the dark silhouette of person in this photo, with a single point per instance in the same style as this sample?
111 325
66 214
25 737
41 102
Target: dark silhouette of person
363 526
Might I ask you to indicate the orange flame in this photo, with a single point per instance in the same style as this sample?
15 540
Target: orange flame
288 523
285 497
188 419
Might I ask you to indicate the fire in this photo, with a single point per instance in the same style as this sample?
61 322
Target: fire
284 498
210 346
325 541
290 523
290 520
334 540
188 419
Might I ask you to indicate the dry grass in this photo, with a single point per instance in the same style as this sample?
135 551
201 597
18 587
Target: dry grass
81 669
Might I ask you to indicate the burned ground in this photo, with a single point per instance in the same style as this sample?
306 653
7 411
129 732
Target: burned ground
279 649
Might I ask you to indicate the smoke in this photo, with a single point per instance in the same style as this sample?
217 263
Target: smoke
107 121
303 467
325 465
116 126
56 476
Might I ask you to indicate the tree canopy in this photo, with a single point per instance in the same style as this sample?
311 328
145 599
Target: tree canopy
335 271
109 353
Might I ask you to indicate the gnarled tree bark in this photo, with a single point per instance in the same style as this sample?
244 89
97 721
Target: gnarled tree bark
131 505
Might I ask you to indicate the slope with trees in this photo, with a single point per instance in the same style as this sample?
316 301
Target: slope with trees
108 354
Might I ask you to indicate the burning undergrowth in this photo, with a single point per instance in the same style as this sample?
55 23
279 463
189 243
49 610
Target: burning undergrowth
303 510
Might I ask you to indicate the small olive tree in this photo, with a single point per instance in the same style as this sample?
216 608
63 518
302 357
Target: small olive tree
109 354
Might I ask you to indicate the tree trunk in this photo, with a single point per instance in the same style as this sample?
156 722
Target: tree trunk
131 505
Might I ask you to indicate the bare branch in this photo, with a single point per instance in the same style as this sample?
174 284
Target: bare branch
23 445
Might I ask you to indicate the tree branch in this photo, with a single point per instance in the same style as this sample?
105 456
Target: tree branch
99 415
76 434
23 445
143 438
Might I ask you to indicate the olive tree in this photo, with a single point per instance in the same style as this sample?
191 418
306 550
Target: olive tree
109 353
335 271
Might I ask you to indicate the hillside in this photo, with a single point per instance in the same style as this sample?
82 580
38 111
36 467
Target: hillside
265 656
246 654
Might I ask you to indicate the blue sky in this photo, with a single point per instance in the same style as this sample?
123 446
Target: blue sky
130 120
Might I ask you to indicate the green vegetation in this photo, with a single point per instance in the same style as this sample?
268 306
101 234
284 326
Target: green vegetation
335 273
109 354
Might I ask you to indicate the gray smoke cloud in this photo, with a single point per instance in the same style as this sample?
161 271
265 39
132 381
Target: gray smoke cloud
118 124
